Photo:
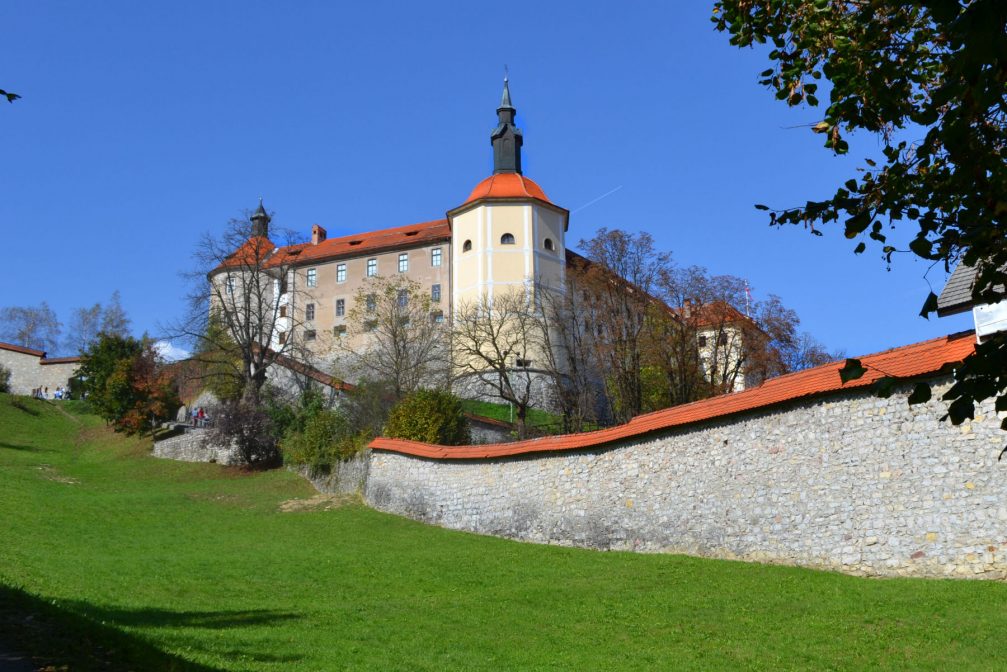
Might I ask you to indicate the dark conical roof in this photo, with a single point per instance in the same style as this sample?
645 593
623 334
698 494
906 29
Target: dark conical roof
505 98
260 221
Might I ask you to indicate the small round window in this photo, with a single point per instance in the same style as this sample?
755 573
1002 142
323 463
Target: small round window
507 239
549 245
467 246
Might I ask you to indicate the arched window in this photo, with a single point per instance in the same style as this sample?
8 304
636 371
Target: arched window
507 239
548 244
467 246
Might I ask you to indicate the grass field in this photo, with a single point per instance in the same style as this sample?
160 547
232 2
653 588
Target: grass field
118 556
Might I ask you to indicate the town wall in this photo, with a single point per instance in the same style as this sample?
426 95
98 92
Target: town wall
31 369
845 481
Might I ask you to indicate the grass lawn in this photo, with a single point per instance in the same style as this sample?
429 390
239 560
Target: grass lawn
154 564
542 420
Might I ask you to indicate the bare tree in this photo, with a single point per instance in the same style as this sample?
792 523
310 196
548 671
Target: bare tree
395 334
566 354
87 323
83 328
494 344
242 303
34 327
618 282
114 320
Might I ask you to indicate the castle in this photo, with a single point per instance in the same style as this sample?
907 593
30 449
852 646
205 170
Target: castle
506 236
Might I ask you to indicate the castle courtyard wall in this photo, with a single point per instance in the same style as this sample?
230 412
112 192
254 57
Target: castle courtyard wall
848 482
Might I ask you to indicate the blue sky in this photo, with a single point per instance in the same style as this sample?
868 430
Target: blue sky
143 125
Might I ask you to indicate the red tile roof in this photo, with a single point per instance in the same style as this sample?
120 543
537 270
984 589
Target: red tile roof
252 252
61 360
910 361
507 185
365 243
22 350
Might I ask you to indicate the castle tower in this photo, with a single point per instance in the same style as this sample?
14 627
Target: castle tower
507 235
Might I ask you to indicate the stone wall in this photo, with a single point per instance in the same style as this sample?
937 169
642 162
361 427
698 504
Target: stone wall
29 371
194 446
346 477
847 482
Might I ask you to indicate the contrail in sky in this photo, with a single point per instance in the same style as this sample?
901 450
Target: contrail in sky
596 200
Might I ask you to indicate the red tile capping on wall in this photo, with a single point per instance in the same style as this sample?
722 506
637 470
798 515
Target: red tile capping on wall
22 350
910 361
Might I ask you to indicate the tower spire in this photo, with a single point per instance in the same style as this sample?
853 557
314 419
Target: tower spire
506 137
260 221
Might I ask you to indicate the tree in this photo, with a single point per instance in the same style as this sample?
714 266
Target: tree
431 416
619 283
126 382
936 68
113 318
494 341
83 329
86 323
395 335
31 326
241 302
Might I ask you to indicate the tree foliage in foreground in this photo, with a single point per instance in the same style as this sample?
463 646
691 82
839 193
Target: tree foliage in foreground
935 70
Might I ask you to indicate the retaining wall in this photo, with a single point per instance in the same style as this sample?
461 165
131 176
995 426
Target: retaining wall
848 482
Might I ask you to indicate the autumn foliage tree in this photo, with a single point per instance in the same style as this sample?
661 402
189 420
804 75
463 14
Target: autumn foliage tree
127 384
928 78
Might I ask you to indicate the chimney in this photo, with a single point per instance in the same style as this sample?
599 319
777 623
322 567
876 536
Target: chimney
317 234
687 308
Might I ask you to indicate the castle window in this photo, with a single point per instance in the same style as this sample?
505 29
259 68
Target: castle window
372 268
230 285
548 244
339 330
309 311
312 277
309 335
702 341
437 316
340 272
340 307
522 363
372 303
467 246
403 262
370 325
435 257
435 293
507 239
722 339
403 298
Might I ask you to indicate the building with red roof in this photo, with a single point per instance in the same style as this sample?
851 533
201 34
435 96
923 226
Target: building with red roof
506 236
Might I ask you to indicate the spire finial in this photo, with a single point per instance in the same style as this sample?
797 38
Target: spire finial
505 98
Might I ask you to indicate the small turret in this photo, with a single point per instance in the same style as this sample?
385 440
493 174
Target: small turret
260 222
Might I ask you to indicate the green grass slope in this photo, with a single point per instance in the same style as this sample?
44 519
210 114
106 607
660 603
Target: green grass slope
155 564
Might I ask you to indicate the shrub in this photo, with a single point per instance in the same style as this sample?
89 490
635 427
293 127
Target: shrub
4 379
431 416
250 428
315 445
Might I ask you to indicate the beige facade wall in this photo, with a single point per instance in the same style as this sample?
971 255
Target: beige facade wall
333 285
491 266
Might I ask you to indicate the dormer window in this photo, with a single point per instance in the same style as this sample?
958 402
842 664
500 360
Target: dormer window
507 239
467 246
549 244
